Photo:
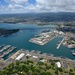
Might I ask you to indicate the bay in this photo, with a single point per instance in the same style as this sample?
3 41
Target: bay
27 31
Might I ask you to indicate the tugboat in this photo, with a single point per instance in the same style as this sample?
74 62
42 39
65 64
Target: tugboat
73 52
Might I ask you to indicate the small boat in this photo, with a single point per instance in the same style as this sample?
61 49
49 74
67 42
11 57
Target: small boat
73 52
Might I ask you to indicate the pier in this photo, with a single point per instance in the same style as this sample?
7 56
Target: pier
2 54
8 51
4 48
60 44
43 38
1 46
14 55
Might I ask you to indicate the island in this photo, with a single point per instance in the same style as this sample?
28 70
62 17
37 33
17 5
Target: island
4 32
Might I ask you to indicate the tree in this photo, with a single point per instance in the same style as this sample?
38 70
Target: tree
48 73
4 71
71 70
43 73
17 62
60 69
72 73
1 73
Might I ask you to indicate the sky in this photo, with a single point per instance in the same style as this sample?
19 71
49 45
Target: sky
36 6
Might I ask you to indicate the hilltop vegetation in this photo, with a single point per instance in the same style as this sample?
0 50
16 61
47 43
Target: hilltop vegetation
34 68
30 68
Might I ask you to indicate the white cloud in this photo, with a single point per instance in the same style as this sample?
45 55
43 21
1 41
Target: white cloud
15 6
17 1
22 6
57 5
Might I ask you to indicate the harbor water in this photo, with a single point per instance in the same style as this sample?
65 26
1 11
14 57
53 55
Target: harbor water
27 31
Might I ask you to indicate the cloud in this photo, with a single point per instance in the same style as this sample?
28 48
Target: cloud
23 6
15 6
53 6
17 1
57 5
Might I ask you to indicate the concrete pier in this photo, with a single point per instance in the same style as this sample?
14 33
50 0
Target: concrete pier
43 38
60 44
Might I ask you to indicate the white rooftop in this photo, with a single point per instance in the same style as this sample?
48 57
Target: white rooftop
58 64
20 56
35 57
28 55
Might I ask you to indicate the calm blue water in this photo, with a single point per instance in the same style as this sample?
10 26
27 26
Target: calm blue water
21 39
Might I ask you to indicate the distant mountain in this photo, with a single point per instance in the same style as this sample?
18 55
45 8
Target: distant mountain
44 17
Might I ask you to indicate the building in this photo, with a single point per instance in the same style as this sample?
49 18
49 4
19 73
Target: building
20 56
58 64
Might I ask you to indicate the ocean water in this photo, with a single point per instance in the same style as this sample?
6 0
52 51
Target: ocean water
27 31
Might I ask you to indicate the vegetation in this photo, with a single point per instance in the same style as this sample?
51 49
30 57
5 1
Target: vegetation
5 32
30 68
34 68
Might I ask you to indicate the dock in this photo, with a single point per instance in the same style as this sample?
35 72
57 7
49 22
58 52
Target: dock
2 46
43 38
14 55
8 51
5 47
60 44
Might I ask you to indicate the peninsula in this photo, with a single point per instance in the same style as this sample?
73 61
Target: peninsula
5 32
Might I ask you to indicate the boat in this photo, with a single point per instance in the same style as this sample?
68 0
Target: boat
44 31
73 52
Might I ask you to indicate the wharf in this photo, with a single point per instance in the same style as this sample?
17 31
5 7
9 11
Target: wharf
32 55
43 38
14 55
60 44
8 51
41 42
4 48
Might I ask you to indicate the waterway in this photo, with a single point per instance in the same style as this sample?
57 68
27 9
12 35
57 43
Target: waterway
27 31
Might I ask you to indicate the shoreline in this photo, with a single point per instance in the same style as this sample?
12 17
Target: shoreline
33 55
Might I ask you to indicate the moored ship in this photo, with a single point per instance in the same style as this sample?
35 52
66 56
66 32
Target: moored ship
73 52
